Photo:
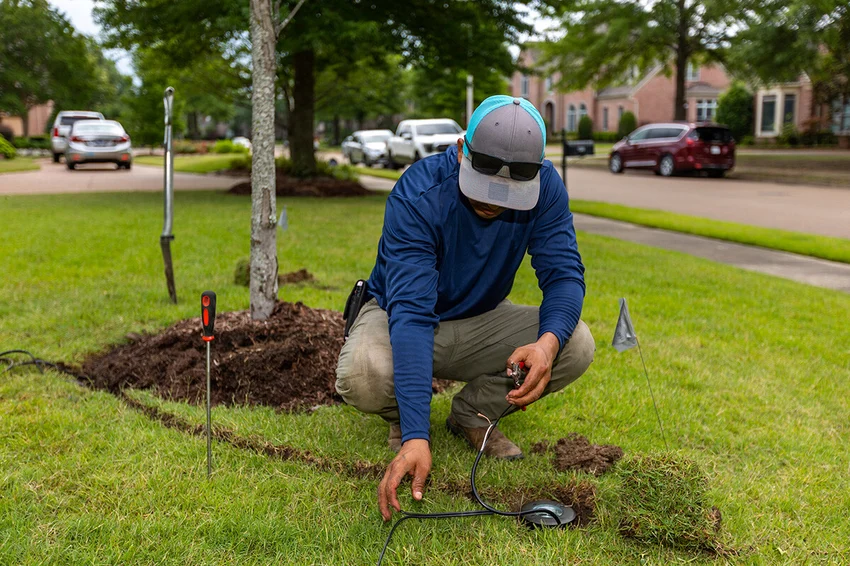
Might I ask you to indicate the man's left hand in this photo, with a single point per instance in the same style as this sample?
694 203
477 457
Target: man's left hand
538 359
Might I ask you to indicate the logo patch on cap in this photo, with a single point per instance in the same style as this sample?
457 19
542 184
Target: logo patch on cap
498 192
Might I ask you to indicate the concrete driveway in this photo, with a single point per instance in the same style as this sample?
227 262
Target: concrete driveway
55 178
800 208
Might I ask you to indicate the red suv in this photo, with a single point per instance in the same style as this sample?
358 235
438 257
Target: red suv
674 147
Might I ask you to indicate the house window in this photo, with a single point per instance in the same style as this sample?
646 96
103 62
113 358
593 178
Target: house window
582 111
706 109
523 86
571 118
768 114
692 73
548 84
619 114
605 119
788 109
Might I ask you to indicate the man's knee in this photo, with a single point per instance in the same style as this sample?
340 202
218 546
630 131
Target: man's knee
576 356
364 378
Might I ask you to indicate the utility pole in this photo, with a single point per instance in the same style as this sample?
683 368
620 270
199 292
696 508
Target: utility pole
469 89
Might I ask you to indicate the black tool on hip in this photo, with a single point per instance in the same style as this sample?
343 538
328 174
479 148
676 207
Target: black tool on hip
208 324
356 299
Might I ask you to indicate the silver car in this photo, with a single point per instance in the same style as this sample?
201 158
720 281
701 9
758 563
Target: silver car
62 127
98 141
366 146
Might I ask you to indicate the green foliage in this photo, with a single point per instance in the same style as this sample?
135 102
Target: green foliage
7 150
603 42
663 501
607 137
735 110
788 135
32 142
227 146
48 60
243 163
628 124
786 38
585 128
747 140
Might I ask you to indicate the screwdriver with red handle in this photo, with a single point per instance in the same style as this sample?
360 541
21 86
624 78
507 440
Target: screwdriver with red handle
208 324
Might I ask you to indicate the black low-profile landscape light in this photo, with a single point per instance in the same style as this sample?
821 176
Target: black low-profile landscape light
546 513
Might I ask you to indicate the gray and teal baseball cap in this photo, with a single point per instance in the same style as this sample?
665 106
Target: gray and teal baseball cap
511 130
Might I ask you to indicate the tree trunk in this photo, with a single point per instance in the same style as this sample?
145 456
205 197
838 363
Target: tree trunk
263 286
680 112
336 129
301 136
26 122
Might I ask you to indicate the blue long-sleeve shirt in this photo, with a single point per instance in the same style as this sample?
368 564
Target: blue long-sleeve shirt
438 260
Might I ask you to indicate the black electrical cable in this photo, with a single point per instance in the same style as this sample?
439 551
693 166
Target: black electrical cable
488 509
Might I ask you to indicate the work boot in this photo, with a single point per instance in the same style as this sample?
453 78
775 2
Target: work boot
394 441
498 445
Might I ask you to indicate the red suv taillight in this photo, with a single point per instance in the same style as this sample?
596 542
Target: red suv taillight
55 132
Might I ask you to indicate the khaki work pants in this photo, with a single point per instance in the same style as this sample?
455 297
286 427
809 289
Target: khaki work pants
474 350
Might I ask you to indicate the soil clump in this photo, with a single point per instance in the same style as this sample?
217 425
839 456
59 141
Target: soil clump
287 362
575 452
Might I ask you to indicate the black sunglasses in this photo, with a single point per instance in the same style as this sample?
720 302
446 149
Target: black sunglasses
489 165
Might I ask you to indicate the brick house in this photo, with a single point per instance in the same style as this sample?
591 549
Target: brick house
792 103
651 97
37 120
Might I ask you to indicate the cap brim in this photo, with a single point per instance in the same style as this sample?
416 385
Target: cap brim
498 191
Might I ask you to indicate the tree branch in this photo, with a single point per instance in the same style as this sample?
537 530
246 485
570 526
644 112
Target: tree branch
288 19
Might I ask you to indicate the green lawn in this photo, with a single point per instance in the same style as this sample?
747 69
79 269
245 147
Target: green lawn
750 373
208 163
825 247
18 164
375 172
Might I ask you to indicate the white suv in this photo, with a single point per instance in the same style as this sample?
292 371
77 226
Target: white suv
416 139
62 127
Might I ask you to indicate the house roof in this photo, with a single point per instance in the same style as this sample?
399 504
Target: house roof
701 89
615 92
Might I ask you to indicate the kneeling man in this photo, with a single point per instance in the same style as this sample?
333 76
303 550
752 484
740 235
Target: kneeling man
456 228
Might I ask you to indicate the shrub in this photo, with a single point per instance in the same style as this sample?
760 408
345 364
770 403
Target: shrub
7 150
223 146
241 163
184 146
21 143
748 140
585 128
607 137
789 135
628 124
735 110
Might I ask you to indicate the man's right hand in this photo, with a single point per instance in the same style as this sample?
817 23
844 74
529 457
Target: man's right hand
414 458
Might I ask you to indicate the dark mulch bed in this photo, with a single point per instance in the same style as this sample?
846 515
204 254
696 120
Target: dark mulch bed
575 452
287 362
312 187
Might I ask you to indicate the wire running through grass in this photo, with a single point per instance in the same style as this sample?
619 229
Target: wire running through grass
488 509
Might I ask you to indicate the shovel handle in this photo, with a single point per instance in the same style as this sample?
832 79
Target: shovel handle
208 314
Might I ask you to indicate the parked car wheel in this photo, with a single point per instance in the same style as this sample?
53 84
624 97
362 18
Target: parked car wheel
666 167
392 162
615 164
717 173
70 165
56 157
416 157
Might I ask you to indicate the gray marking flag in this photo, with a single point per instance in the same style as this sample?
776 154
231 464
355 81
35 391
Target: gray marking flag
624 333
283 222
